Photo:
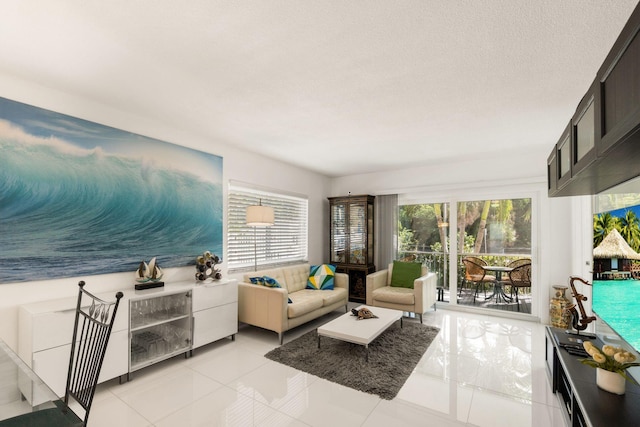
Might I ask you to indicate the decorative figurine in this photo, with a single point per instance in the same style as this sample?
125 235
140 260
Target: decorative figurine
579 321
149 272
206 267
149 275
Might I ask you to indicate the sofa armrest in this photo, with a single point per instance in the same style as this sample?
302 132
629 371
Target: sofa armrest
341 280
263 306
424 289
374 281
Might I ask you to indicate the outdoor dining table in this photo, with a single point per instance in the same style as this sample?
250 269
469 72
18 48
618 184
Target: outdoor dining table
22 391
498 290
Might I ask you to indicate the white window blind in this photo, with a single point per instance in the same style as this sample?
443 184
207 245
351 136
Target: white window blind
283 243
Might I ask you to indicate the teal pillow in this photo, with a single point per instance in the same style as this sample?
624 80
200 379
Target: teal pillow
404 273
256 280
270 282
265 281
321 277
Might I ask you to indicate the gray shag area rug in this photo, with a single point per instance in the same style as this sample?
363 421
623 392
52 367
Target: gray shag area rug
392 358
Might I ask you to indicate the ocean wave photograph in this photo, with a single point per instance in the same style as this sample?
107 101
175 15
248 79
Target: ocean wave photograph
79 198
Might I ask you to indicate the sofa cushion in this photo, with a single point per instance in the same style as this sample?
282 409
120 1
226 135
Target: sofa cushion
395 295
333 296
270 282
267 281
258 280
404 273
321 277
296 277
275 273
304 301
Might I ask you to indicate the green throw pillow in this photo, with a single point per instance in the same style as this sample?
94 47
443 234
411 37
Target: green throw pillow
404 273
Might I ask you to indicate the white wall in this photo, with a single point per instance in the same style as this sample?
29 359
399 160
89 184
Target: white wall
237 165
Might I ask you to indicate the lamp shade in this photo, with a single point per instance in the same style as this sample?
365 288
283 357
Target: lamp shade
260 216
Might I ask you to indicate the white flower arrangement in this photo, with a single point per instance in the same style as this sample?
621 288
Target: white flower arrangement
610 358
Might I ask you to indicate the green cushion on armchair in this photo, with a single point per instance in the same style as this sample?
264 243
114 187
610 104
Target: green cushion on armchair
404 273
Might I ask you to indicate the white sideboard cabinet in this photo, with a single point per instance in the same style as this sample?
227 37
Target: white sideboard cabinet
215 311
151 325
44 340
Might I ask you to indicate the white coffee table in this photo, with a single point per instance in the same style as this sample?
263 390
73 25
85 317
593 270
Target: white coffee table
348 328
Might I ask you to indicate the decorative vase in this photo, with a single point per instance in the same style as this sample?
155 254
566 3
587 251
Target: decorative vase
612 382
560 316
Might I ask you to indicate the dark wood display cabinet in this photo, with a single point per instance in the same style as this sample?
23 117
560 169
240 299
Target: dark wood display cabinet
600 147
351 241
582 402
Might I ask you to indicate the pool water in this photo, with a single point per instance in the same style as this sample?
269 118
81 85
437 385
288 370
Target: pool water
617 302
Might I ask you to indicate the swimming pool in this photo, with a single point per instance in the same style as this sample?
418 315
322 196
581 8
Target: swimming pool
617 302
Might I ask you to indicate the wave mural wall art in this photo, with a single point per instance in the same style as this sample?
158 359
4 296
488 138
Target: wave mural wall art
79 198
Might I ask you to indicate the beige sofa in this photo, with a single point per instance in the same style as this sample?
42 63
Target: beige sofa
416 300
268 308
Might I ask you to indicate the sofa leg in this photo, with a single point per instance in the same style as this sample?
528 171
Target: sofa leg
281 337
346 308
420 318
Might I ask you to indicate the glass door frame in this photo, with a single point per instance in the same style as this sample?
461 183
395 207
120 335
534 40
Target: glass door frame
453 197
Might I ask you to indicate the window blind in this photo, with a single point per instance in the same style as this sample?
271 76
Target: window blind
283 243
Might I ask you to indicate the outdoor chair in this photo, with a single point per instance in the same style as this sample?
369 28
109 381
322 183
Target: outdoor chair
465 280
520 278
477 275
514 264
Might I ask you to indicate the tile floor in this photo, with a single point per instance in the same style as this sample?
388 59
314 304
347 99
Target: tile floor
479 371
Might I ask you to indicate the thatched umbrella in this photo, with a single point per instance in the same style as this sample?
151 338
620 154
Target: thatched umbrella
614 246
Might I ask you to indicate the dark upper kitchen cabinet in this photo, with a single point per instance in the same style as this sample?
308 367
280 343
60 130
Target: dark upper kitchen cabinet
563 156
619 80
583 129
552 171
601 147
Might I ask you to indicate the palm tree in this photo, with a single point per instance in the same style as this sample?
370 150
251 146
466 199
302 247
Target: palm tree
602 225
462 213
629 228
441 227
503 209
483 225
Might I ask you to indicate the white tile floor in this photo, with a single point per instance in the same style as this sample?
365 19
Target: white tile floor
479 371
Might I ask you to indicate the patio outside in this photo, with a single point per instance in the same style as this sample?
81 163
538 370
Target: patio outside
496 231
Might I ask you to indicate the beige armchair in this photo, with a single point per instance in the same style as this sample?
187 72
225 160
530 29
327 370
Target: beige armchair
416 300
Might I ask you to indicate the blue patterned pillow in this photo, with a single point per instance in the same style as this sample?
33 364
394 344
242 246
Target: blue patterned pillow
267 281
270 282
321 277
256 280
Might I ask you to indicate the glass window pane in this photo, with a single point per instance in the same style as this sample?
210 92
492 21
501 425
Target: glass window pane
423 236
493 237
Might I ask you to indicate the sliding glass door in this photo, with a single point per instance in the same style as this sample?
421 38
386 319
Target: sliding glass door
494 237
495 233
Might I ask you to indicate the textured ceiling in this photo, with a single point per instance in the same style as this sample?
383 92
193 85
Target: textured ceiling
340 87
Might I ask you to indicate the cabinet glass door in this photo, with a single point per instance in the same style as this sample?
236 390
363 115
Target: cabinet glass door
370 252
564 154
160 328
585 133
357 233
338 233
